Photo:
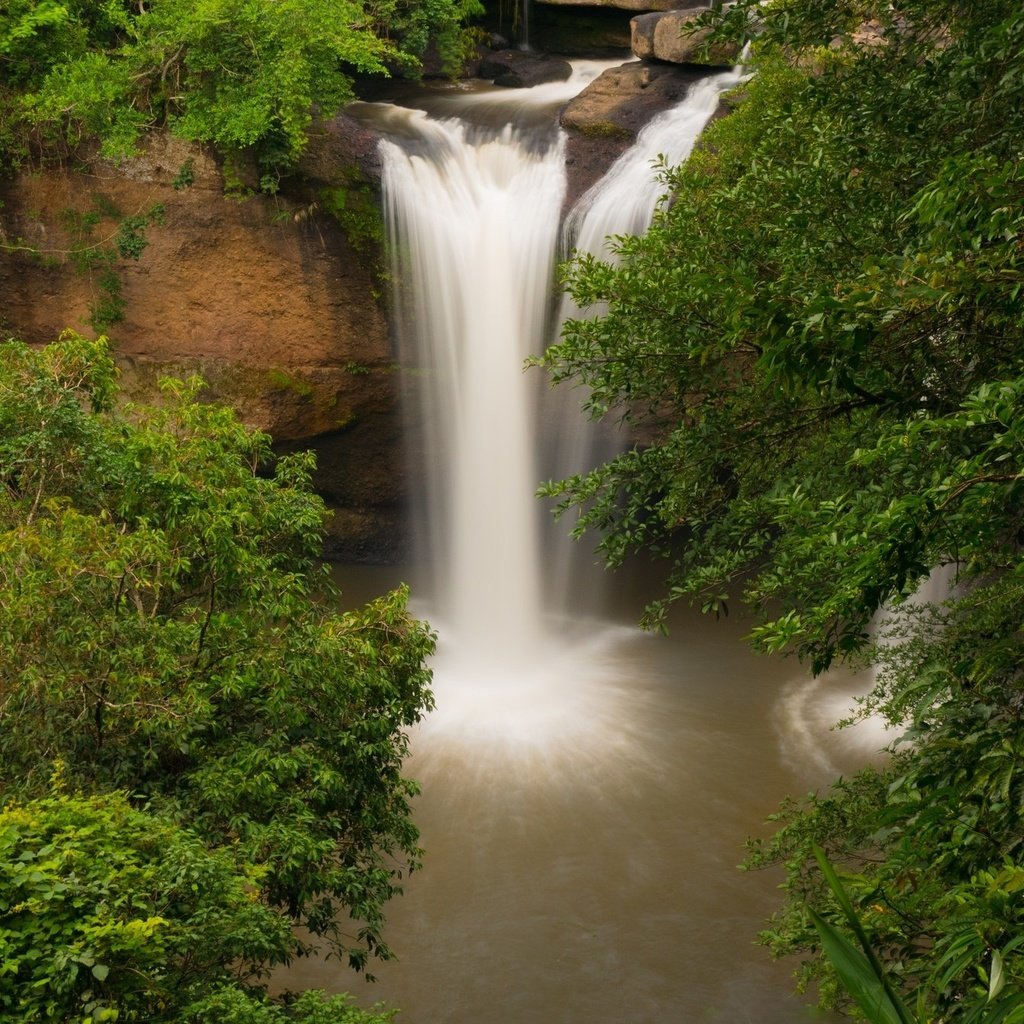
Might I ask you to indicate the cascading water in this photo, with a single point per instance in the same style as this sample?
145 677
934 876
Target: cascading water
473 218
473 224
586 788
473 214
524 25
624 200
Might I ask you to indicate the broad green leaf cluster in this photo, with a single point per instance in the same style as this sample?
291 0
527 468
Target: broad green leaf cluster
228 745
238 74
821 335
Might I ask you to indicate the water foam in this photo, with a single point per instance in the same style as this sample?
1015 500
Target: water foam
806 714
623 202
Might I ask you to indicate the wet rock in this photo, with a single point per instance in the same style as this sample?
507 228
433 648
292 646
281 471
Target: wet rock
580 31
363 476
520 69
336 146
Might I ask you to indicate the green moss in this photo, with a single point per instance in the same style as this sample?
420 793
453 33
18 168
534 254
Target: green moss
355 206
279 380
604 130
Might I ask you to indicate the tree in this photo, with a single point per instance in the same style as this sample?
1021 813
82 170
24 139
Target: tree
114 913
166 630
234 73
821 334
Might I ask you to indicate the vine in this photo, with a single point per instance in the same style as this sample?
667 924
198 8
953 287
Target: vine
89 255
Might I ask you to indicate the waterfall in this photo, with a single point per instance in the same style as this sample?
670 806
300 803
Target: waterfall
524 25
474 222
623 202
473 216
581 789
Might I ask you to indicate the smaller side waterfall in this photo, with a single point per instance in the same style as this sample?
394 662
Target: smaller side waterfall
623 202
524 25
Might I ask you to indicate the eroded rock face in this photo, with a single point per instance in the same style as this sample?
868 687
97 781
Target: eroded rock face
580 31
266 298
668 36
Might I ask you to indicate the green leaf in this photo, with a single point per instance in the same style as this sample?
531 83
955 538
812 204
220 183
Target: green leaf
874 967
996 978
857 974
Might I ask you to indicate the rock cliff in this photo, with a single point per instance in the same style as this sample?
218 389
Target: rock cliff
267 298
276 301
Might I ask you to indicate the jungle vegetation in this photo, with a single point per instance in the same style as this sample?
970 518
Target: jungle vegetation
200 756
822 335
198 752
242 75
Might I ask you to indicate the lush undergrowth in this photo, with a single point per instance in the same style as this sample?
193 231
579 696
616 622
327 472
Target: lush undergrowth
242 75
197 752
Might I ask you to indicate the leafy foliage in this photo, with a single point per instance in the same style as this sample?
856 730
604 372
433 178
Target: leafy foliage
860 969
113 913
165 630
821 334
235 73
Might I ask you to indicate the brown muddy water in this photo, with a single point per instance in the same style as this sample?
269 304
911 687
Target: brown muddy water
583 829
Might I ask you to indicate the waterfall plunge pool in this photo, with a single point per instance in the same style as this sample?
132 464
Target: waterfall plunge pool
583 831
587 788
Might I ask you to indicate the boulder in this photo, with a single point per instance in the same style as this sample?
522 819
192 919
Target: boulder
669 36
335 148
622 5
520 69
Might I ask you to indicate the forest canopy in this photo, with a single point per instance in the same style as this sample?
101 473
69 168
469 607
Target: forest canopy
822 334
